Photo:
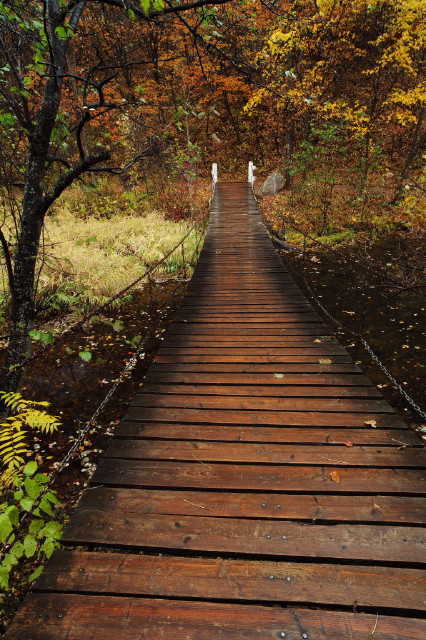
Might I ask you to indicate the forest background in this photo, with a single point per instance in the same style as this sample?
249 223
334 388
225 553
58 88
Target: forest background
111 114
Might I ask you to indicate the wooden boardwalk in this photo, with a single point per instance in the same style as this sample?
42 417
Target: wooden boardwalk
259 486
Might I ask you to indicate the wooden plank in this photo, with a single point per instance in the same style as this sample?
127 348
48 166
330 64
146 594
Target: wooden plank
271 379
280 454
303 479
285 435
229 307
263 391
241 325
249 297
252 417
373 543
266 403
247 318
281 506
262 367
76 616
254 329
293 350
259 359
257 342
285 582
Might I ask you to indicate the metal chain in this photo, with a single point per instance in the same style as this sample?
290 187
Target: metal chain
77 443
366 346
130 364
98 309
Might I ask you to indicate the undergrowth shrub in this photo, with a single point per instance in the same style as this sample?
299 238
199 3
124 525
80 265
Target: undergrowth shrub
31 540
14 445
29 526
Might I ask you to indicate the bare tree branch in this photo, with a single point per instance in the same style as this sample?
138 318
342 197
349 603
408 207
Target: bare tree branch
122 4
145 153
66 179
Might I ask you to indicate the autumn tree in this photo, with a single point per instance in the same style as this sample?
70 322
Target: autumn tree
49 148
350 64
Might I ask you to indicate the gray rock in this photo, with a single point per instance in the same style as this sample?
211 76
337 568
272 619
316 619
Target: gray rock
273 183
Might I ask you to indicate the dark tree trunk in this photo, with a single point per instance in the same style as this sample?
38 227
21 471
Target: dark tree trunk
289 149
34 207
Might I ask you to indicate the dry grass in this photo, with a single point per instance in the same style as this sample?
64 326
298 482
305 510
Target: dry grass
86 259
99 257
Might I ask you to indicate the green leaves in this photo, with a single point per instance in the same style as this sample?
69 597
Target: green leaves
41 336
7 119
35 574
118 325
158 5
148 5
30 545
32 488
30 468
86 356
145 5
34 538
64 32
6 527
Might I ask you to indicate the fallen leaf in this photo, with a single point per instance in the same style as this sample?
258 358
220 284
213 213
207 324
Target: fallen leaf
371 423
348 444
334 476
324 361
278 375
317 340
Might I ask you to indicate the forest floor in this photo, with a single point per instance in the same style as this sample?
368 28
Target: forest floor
375 289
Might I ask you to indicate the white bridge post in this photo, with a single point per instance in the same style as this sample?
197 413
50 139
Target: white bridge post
214 176
251 176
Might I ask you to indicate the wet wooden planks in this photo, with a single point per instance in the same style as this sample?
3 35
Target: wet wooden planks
259 486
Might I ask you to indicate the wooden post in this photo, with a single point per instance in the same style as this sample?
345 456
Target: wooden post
251 170
214 176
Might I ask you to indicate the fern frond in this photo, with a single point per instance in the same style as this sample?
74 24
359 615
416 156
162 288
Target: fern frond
40 420
11 399
13 447
7 478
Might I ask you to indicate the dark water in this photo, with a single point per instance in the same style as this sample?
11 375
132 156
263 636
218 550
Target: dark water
378 290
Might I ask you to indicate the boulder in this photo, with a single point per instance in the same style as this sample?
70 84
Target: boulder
273 183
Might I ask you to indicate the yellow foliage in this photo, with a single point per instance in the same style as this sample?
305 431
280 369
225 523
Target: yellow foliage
14 447
405 36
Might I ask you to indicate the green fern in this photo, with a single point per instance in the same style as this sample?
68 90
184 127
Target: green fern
14 447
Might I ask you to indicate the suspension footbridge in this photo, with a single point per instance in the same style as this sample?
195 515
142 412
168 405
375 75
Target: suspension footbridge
259 486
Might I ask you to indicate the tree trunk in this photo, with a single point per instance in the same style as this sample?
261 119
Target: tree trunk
289 149
33 211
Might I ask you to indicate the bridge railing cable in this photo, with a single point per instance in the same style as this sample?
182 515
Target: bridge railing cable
90 424
197 227
355 334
